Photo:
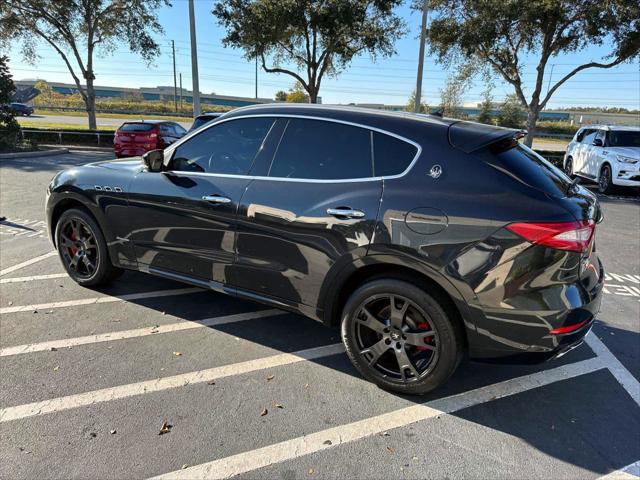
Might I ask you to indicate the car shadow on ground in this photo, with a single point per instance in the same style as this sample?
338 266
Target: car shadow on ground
566 420
53 163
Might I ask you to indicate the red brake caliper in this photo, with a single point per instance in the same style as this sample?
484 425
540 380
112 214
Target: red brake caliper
71 249
424 326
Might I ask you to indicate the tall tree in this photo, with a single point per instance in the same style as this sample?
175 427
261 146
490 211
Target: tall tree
411 104
512 114
281 96
297 94
77 29
503 33
486 107
308 39
9 128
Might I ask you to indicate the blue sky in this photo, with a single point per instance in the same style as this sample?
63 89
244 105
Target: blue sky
389 81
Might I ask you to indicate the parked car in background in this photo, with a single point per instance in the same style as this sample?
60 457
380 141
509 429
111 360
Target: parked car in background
422 238
136 138
608 155
20 109
204 118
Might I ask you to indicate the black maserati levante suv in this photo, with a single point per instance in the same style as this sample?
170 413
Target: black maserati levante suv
421 238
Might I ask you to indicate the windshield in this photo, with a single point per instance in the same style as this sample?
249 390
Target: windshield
137 127
624 138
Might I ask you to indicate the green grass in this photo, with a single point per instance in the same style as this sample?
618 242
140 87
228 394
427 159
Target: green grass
124 116
62 126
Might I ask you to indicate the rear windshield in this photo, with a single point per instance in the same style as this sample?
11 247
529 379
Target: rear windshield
624 138
201 121
527 166
137 127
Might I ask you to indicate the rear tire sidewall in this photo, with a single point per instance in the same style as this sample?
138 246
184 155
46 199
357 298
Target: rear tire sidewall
104 271
448 336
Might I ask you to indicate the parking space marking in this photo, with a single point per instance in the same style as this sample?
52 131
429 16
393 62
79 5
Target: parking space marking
33 277
164 383
105 299
630 472
27 263
622 375
307 444
138 332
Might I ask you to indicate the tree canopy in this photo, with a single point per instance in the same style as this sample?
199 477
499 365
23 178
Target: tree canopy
505 33
9 128
76 29
309 39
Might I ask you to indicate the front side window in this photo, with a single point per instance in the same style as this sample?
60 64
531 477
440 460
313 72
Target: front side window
322 150
226 148
589 136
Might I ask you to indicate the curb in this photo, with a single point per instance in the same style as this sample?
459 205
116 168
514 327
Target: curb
40 153
80 148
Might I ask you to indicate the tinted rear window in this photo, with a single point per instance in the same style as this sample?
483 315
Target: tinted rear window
201 121
137 127
624 138
316 149
391 155
527 166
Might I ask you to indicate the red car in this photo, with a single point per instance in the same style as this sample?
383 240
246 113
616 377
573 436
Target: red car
136 138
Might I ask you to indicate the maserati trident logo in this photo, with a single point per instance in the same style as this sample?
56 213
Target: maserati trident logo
435 171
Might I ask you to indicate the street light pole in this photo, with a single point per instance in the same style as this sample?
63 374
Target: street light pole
175 86
194 61
423 35
256 77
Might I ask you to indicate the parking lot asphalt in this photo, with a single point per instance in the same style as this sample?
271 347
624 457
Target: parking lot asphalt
90 378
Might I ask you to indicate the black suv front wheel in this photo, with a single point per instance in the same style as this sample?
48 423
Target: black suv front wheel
83 249
399 337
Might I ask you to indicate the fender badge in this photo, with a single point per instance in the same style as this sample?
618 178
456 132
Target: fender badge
435 171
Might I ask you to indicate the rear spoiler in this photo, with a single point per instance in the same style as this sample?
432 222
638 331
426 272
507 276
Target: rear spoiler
471 136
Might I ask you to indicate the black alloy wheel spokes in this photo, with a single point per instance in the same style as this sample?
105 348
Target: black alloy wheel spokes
79 247
396 338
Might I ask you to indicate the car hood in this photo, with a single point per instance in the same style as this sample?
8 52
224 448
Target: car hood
132 164
633 152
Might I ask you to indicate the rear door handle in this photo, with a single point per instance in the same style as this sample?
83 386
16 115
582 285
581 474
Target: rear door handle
216 199
345 212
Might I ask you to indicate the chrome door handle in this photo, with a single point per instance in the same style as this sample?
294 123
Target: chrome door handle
345 212
216 199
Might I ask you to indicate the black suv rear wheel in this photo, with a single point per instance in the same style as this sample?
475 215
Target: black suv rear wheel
399 337
83 249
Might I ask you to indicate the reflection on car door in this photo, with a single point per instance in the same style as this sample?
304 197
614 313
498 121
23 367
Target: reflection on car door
183 220
316 203
594 155
583 151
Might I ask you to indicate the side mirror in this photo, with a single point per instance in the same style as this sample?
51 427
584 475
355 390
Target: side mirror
154 160
598 142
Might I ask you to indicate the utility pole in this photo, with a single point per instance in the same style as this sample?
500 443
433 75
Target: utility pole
550 75
423 35
180 90
256 77
194 61
175 86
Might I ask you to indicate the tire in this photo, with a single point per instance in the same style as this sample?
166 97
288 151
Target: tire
568 168
80 242
605 183
429 340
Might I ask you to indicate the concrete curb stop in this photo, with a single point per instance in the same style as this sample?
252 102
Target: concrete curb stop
41 153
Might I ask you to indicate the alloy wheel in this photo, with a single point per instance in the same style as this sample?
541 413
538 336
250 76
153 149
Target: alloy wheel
79 248
396 338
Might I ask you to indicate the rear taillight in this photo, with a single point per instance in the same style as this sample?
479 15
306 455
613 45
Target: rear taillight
573 236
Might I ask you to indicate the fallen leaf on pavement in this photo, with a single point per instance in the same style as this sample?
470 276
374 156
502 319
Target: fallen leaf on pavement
177 354
306 385
264 412
384 434
391 450
270 377
311 471
112 432
212 382
165 428
327 442
56 368
278 405
53 349
185 466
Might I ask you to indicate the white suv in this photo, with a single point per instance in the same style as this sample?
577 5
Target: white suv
608 155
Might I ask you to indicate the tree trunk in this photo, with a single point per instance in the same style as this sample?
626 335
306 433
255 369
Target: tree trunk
313 93
90 102
532 120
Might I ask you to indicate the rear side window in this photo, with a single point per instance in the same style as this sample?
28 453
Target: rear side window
226 148
524 164
391 156
321 150
137 127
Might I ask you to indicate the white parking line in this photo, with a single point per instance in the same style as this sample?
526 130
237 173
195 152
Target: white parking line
163 383
33 277
138 332
297 447
105 299
624 377
630 472
27 263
